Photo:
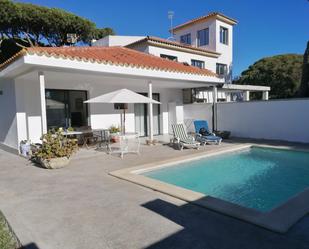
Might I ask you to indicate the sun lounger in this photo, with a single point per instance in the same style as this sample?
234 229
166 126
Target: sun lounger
182 139
211 138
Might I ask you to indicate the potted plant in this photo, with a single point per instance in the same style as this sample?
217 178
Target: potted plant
55 151
114 133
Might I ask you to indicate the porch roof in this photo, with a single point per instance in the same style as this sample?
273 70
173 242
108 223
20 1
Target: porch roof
116 62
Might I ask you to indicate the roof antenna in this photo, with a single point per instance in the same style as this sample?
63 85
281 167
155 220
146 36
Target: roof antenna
170 15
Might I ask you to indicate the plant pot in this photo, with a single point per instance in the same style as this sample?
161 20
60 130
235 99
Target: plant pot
25 149
54 163
115 137
151 142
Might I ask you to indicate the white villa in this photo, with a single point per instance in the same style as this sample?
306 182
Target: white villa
41 87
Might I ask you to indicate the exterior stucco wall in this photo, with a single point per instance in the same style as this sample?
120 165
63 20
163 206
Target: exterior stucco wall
116 40
284 120
28 106
278 119
22 117
210 62
8 118
193 29
197 112
226 51
102 116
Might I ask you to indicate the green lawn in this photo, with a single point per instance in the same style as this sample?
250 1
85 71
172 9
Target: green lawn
7 240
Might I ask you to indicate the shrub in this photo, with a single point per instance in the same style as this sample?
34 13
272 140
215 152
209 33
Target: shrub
114 129
55 145
7 239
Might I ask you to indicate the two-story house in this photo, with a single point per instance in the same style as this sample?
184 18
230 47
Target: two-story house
204 42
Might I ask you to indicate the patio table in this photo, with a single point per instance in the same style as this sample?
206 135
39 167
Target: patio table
82 133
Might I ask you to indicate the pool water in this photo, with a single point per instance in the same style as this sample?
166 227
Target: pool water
259 178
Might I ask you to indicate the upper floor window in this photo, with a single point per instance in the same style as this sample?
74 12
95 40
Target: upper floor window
169 57
224 35
203 37
197 63
186 39
221 69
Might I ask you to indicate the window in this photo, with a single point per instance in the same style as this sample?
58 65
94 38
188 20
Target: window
66 108
224 35
197 63
221 69
203 37
169 57
186 39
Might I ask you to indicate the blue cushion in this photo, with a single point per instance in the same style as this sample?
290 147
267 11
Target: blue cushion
198 124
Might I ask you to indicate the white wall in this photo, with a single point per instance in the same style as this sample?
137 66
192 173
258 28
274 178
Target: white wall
193 29
21 119
28 106
226 51
8 127
281 119
116 40
210 62
102 116
286 120
197 112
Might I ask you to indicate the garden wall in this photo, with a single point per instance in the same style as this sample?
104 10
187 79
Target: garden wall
275 119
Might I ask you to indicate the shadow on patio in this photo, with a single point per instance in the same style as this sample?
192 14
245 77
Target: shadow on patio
206 229
30 246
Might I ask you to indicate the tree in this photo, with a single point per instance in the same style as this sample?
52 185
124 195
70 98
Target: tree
304 86
100 33
282 73
33 25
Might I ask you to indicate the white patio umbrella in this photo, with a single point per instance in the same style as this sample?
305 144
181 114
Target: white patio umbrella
124 96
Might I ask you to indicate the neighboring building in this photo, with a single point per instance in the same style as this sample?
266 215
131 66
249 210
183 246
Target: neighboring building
116 40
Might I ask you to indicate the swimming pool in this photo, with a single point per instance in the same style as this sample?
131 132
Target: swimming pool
258 178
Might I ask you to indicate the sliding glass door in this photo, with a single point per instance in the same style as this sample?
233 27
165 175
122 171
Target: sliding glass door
66 108
141 117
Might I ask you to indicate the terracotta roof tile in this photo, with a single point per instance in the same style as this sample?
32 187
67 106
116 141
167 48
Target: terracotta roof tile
175 44
113 55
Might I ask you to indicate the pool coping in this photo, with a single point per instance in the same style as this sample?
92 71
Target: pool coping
279 219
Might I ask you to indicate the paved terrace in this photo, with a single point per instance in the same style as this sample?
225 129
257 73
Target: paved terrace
81 206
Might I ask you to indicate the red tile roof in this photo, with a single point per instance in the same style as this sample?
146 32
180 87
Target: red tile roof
175 44
119 56
210 15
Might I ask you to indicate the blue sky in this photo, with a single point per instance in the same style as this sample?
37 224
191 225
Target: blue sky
265 28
